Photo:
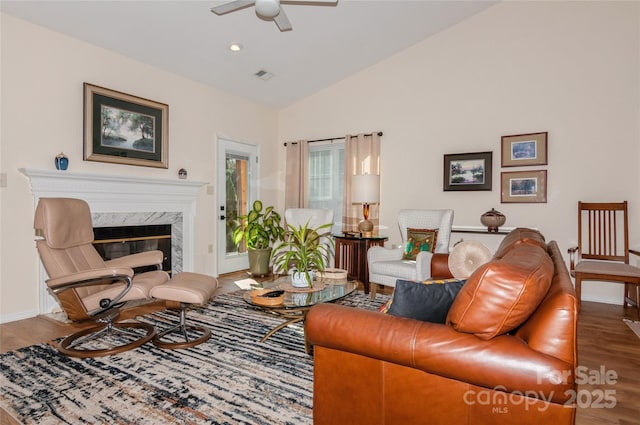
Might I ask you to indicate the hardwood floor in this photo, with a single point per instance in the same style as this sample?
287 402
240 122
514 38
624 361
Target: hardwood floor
604 342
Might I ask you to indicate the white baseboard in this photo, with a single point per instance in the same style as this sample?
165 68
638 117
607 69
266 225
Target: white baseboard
603 300
6 318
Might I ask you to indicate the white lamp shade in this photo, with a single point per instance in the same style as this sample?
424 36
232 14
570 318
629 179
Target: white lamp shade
365 189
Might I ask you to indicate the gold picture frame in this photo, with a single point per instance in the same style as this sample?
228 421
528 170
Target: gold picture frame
521 150
523 186
125 129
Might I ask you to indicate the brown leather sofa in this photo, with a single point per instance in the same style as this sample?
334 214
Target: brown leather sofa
506 355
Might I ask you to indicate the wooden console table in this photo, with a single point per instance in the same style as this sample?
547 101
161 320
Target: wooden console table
351 255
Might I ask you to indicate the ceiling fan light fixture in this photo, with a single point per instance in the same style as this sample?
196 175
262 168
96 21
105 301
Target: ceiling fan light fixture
235 47
267 8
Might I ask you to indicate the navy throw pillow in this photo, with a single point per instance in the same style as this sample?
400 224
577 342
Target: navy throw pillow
426 301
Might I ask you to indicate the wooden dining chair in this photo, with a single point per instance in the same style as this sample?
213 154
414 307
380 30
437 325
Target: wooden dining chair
603 250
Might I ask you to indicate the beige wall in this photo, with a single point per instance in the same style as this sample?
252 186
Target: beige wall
569 68
41 82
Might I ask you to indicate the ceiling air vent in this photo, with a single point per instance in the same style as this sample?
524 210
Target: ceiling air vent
264 75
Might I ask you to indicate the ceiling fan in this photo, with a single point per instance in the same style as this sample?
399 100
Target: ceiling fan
269 9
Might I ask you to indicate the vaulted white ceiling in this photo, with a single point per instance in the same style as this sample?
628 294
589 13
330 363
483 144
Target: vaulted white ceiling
327 43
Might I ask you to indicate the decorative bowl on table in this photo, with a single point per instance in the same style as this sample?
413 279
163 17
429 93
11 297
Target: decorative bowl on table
267 297
333 276
493 220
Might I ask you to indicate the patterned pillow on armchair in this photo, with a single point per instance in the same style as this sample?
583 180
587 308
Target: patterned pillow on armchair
419 240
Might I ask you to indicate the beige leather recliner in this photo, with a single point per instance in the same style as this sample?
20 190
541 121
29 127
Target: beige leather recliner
89 288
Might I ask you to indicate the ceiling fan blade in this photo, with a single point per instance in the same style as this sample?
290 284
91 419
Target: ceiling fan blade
231 6
282 21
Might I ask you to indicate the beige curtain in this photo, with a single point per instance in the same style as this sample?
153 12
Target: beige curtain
296 185
362 156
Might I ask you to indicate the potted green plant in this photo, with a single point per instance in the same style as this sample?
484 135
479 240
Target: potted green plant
303 251
260 230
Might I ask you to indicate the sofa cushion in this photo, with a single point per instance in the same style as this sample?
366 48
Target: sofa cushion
518 236
419 240
428 301
500 295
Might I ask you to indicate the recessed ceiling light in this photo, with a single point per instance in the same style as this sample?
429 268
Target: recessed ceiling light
235 47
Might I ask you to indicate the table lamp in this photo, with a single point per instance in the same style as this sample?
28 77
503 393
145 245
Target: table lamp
365 190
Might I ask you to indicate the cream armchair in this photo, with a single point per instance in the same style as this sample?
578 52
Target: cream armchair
387 265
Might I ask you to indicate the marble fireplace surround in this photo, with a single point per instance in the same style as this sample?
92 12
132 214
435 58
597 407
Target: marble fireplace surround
121 201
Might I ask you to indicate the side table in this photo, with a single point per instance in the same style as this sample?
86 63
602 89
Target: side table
351 255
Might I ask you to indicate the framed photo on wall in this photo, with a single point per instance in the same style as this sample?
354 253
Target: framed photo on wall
124 129
524 149
524 186
468 171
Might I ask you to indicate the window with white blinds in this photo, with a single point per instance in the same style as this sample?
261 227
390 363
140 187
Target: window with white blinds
326 179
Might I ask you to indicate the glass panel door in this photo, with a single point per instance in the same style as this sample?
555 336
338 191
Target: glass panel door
237 168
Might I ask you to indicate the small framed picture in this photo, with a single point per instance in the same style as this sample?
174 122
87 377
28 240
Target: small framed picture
124 129
468 171
524 149
524 186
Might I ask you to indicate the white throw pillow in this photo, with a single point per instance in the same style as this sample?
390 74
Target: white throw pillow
466 257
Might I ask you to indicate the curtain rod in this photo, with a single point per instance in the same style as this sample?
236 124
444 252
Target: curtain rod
332 138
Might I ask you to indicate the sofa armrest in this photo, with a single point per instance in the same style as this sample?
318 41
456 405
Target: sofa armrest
504 362
432 266
378 253
440 266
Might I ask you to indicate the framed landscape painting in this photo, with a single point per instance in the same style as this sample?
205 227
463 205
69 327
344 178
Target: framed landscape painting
524 149
124 129
468 171
524 187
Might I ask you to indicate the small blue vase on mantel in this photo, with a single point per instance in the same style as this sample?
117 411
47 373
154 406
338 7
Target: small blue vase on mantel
62 161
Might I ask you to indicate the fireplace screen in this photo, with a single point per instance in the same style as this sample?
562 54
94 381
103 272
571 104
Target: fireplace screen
118 241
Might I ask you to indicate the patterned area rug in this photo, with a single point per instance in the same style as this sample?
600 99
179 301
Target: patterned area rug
231 379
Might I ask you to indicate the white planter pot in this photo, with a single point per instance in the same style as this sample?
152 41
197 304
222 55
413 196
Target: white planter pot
299 279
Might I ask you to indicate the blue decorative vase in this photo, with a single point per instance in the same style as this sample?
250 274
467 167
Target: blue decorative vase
62 161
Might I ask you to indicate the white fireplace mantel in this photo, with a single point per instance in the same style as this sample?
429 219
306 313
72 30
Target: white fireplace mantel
117 195
103 188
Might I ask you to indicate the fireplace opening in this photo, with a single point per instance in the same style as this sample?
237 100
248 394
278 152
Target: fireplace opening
118 241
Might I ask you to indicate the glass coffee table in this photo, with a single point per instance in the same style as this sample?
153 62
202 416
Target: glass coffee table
296 304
